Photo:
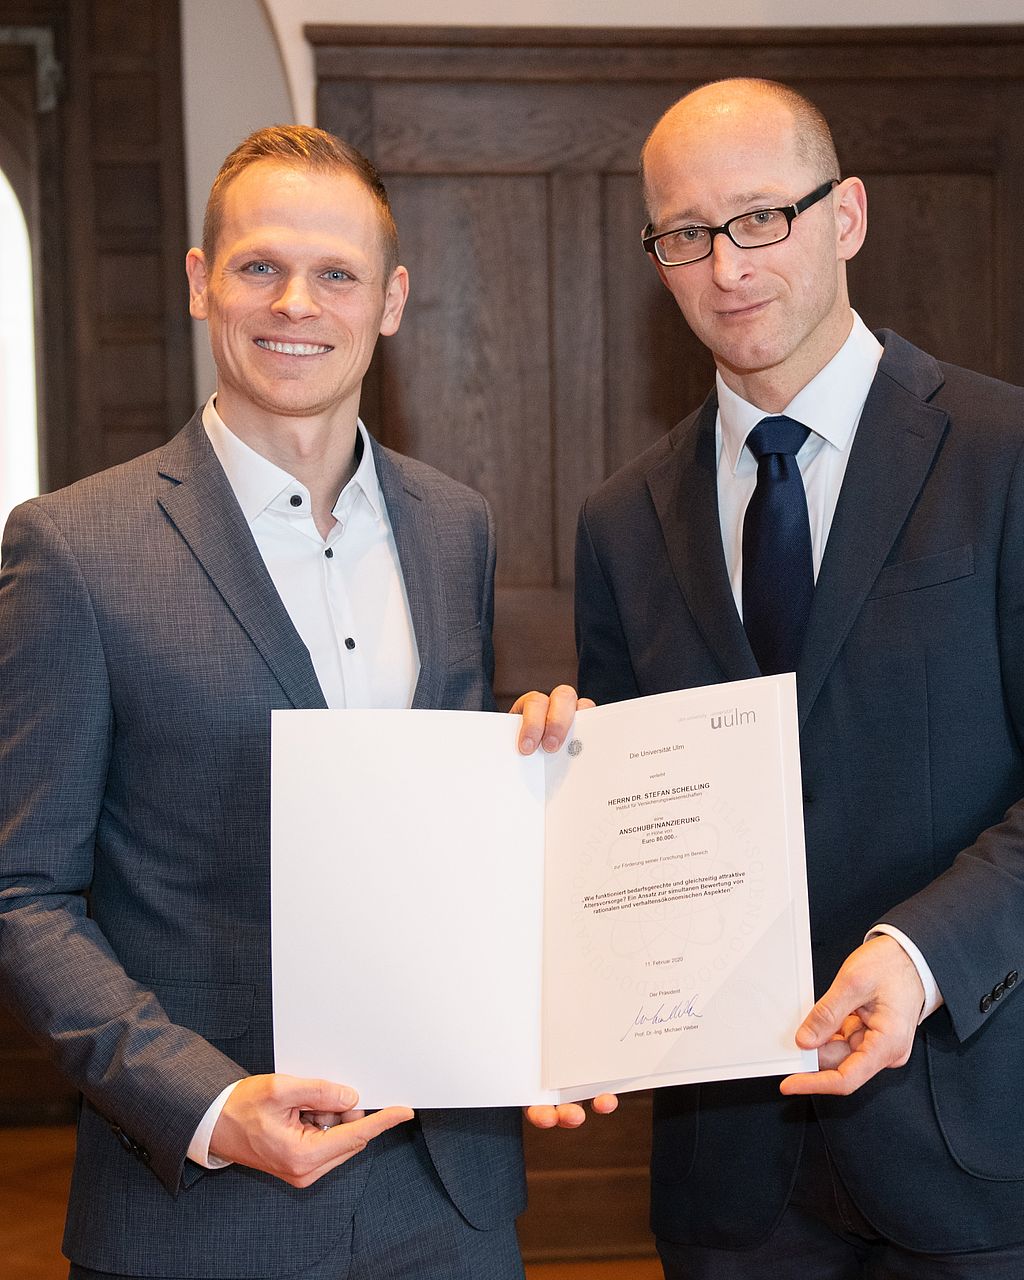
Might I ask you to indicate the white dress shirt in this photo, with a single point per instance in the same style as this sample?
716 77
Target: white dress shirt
345 595
830 405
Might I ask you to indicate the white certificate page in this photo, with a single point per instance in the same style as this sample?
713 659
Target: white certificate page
677 940
455 925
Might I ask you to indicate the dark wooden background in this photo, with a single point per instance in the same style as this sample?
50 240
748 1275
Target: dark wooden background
101 178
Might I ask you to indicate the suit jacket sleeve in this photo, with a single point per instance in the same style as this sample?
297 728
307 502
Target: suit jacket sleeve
151 1079
967 922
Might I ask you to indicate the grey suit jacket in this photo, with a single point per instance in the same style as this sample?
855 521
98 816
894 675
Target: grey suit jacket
142 649
911 698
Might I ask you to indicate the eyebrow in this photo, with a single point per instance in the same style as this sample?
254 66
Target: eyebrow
760 199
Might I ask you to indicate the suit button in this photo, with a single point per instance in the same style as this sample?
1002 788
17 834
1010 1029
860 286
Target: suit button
985 1003
1011 979
998 991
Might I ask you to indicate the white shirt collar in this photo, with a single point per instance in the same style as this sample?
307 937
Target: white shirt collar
830 404
258 483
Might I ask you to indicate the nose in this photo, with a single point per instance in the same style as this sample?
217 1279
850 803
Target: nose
730 265
296 301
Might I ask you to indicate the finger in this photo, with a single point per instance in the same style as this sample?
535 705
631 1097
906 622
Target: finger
533 707
604 1104
831 1054
561 709
541 1117
852 1025
567 1115
349 1116
312 1095
323 1119
570 1115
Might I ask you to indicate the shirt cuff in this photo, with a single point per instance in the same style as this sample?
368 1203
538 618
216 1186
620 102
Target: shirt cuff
932 995
199 1147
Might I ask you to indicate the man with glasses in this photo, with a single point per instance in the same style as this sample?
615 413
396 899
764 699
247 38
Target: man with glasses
847 507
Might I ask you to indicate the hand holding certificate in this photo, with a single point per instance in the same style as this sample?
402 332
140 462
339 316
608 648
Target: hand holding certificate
496 929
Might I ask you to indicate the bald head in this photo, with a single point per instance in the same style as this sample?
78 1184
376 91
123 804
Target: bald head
774 313
760 108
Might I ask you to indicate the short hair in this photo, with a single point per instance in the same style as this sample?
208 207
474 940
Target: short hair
307 148
812 135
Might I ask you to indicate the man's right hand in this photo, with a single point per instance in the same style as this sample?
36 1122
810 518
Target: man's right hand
262 1126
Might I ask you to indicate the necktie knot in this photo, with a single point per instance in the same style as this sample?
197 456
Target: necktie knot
777 435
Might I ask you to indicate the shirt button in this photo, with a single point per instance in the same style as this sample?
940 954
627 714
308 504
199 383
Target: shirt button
296 499
329 553
349 643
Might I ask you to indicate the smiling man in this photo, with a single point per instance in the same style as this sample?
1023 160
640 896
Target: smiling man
272 555
847 507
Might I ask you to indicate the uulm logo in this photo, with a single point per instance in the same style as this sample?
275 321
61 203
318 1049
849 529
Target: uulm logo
727 719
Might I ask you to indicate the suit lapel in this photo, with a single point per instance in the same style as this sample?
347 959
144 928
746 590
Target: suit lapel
203 508
419 555
684 488
893 450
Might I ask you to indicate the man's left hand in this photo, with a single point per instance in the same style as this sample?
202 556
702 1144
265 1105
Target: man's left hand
864 1022
547 718
569 1115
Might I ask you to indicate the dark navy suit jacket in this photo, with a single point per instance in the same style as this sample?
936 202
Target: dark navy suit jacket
911 697
142 649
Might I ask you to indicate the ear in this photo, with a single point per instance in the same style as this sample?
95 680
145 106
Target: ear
851 208
195 269
396 295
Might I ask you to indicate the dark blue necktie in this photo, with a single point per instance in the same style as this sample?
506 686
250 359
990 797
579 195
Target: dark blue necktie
778 571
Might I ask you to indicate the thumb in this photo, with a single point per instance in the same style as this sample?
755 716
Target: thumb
823 1021
345 1140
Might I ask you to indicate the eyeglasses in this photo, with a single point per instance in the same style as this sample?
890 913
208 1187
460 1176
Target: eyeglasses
753 230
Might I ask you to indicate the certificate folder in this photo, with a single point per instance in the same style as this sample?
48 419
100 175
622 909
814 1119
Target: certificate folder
456 925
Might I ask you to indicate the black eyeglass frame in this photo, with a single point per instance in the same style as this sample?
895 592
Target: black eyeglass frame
649 238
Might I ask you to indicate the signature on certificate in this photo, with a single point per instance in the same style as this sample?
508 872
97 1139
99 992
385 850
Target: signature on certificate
651 1016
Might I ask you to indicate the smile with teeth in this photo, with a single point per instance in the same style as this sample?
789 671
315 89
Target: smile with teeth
293 348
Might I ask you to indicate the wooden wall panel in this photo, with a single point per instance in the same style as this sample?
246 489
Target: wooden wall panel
101 177
536 367
476 337
129 78
940 228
